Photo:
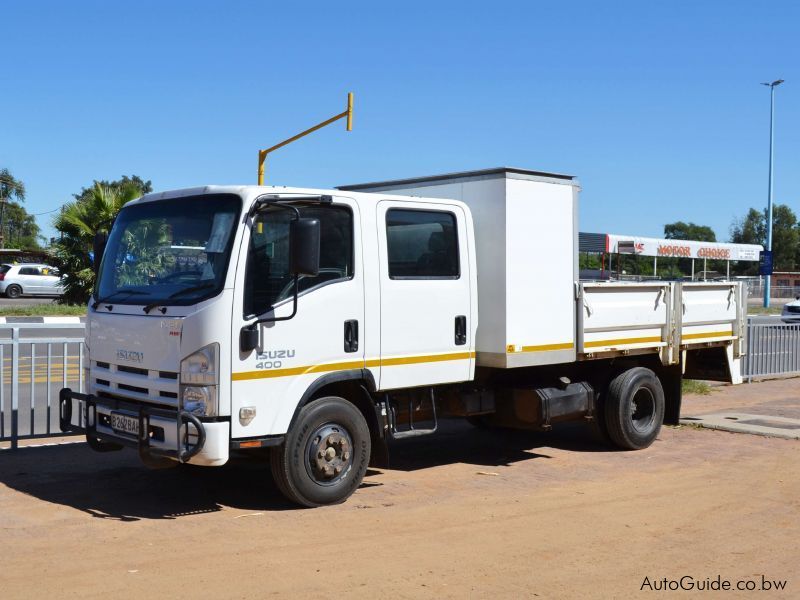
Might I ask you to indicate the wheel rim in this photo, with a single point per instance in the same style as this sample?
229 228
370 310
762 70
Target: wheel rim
643 410
329 454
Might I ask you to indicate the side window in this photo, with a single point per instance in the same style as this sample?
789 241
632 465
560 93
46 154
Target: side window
29 271
267 278
422 244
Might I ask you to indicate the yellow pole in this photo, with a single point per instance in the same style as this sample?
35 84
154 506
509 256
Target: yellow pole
262 154
261 158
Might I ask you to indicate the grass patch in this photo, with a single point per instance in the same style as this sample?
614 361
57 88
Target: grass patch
695 386
760 310
43 310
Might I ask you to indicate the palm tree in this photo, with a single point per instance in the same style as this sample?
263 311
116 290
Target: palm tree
78 222
9 188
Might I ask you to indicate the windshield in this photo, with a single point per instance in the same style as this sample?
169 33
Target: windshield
172 252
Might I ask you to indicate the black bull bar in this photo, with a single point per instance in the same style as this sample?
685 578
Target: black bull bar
183 452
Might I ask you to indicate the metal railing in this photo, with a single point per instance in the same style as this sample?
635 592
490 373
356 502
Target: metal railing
772 349
777 292
35 366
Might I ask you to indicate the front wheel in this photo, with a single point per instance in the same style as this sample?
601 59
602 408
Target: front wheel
634 408
325 455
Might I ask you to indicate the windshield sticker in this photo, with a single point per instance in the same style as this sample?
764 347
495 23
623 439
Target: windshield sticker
220 231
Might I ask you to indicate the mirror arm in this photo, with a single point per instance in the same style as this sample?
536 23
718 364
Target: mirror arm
275 319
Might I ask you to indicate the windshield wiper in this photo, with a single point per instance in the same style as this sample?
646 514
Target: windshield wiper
128 291
194 288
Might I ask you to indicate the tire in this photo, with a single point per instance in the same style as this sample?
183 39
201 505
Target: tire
634 409
325 455
13 291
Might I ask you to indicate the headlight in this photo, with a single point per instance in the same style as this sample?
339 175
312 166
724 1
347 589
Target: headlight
199 380
199 400
202 367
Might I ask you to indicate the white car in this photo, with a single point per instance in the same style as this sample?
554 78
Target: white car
791 311
31 279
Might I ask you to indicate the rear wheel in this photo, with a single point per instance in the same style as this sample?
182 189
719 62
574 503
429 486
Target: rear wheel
13 291
634 408
325 455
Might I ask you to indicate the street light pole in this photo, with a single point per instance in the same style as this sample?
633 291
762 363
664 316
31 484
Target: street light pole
768 278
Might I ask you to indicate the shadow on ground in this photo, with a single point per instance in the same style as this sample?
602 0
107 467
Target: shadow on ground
116 486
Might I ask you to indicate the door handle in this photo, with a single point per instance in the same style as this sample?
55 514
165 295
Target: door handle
351 336
461 330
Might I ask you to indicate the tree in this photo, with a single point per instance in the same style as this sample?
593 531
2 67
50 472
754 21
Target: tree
144 187
785 238
10 187
93 210
21 229
752 229
689 231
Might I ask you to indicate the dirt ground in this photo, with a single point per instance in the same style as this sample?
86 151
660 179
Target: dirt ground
467 514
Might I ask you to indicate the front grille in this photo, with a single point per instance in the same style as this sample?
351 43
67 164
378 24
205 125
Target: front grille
135 383
793 309
131 388
134 370
126 403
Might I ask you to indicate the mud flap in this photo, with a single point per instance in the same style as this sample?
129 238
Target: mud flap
713 364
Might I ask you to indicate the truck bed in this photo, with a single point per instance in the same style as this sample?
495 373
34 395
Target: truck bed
665 317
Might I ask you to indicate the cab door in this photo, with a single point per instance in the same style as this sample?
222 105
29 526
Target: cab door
424 294
324 338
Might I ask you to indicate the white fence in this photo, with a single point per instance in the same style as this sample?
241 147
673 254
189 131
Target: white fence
35 366
772 349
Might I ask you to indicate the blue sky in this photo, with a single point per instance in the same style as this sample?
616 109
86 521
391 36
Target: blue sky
655 106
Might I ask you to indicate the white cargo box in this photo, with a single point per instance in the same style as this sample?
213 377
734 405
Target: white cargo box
526 232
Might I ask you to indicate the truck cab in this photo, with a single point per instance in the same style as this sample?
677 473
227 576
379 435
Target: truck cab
203 337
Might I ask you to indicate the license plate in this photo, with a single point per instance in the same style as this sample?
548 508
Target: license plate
125 424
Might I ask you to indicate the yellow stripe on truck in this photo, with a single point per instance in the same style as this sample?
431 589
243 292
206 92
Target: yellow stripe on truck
705 334
354 364
622 342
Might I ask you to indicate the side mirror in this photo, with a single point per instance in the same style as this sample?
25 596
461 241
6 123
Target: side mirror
99 246
248 339
304 235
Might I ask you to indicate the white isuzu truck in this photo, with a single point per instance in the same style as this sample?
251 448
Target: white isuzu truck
321 324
